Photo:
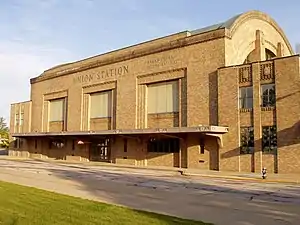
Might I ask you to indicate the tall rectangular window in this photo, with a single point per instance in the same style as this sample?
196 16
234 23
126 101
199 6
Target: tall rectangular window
170 145
100 104
246 97
269 139
57 110
163 97
246 140
268 97
17 119
21 118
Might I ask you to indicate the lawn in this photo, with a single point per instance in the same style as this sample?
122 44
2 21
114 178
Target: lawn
25 205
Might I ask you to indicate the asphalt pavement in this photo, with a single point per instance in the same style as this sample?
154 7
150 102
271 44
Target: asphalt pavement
216 200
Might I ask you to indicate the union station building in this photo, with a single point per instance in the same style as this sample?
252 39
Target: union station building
225 97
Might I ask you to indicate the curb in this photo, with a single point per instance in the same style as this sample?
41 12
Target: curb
243 178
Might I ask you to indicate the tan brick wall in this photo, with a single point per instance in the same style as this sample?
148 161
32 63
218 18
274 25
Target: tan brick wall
163 159
229 116
246 163
56 126
18 108
100 124
163 120
288 114
268 161
197 160
268 118
200 75
136 151
246 119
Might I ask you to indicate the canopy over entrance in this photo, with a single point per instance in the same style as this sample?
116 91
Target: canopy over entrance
171 130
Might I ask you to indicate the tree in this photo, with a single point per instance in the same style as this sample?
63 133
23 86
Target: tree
4 132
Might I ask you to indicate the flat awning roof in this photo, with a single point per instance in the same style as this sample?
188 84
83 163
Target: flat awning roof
171 130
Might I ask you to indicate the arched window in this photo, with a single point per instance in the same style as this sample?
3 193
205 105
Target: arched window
249 58
269 54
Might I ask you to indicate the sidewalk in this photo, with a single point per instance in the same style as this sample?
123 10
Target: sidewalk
271 178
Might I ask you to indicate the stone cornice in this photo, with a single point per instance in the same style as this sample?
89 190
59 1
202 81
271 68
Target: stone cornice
134 53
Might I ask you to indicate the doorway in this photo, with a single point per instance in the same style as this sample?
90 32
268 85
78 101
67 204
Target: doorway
100 150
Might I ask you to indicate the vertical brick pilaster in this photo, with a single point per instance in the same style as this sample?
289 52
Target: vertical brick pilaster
280 50
45 118
257 117
259 52
85 113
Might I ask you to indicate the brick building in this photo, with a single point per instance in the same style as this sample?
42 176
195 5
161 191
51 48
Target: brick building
224 97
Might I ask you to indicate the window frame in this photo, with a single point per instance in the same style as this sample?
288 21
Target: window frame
21 122
17 119
245 99
163 146
267 146
109 112
247 148
267 95
63 113
157 100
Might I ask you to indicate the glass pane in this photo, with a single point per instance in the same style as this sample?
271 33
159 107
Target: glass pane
169 97
265 100
249 103
247 140
272 96
57 110
241 103
151 98
161 98
242 92
249 92
246 97
100 105
269 139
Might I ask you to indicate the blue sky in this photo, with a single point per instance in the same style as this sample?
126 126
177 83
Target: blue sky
38 34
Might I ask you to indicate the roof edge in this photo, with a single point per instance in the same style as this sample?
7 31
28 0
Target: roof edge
256 14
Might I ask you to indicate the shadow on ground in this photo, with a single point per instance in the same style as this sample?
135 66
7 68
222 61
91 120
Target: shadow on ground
182 196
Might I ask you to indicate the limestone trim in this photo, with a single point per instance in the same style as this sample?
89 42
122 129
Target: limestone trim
245 74
161 76
55 95
267 71
219 139
109 85
246 110
261 16
270 108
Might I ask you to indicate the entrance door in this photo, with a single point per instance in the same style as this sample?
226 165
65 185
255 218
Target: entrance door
100 150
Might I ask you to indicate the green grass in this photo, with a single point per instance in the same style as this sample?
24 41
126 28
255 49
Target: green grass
25 205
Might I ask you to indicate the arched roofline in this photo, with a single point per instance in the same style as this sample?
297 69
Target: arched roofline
255 14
